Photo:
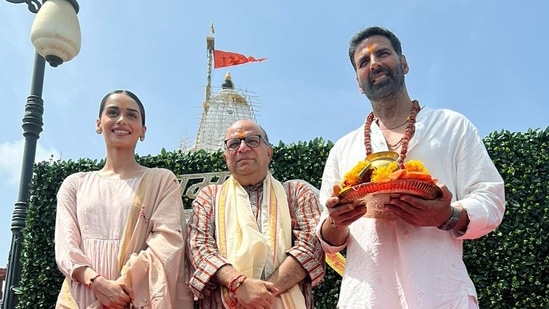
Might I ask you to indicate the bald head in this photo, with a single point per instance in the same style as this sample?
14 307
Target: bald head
247 152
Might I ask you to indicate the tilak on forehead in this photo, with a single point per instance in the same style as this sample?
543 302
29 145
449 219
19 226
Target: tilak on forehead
240 133
123 104
371 48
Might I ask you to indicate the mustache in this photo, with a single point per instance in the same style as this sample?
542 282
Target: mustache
386 70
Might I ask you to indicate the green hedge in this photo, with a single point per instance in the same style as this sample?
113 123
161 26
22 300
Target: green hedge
509 266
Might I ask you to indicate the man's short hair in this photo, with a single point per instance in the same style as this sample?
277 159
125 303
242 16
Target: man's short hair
368 32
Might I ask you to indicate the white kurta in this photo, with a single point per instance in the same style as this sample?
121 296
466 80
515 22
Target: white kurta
392 264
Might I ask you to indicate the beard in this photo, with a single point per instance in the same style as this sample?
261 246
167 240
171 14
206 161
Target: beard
386 88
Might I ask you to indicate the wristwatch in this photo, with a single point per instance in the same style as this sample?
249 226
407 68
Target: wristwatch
451 222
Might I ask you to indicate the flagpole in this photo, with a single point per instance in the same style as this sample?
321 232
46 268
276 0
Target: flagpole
208 95
210 47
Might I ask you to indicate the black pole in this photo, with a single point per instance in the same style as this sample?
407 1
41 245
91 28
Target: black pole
32 126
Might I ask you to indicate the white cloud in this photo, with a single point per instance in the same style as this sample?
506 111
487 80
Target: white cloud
11 155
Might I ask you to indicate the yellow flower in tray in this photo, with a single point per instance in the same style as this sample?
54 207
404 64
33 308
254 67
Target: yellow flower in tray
382 173
355 175
388 170
413 169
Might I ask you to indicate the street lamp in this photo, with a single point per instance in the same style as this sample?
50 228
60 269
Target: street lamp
55 35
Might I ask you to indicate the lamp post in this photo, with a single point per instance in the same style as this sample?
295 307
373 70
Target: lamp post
55 34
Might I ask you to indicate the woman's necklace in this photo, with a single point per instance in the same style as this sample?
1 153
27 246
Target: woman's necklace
408 133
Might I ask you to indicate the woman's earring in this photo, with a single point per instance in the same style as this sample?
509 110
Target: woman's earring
98 131
142 138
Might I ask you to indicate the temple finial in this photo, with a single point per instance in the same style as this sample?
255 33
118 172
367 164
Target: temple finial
227 83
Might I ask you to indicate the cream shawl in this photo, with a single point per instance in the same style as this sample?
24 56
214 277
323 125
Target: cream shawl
151 253
250 246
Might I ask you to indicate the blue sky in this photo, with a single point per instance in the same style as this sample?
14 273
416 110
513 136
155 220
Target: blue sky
484 59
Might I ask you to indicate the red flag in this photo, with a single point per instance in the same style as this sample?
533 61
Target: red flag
226 59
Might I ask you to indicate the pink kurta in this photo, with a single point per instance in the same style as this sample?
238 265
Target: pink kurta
92 215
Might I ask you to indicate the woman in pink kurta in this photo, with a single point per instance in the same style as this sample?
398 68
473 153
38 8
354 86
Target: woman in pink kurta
120 233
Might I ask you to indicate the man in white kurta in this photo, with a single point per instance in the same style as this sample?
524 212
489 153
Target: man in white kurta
392 264
414 261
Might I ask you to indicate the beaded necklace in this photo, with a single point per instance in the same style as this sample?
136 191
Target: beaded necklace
408 133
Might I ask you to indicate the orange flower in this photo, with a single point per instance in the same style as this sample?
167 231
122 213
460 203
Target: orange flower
363 172
381 174
415 166
354 176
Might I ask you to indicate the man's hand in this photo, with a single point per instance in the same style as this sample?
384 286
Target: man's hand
335 228
342 215
421 212
256 294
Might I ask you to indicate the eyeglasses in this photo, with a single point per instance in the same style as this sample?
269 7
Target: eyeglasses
251 141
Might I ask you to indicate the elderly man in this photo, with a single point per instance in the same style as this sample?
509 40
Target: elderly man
252 239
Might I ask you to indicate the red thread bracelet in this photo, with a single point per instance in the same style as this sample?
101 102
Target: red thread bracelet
230 286
232 290
239 283
92 279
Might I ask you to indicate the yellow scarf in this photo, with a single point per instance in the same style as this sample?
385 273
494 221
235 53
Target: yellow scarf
249 248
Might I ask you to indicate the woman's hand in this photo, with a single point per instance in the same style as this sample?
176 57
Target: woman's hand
112 294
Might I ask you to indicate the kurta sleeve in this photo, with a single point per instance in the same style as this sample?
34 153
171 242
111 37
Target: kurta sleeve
330 177
202 252
305 211
480 188
68 254
325 245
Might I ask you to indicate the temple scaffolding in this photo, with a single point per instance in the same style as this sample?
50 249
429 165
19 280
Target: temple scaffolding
219 112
